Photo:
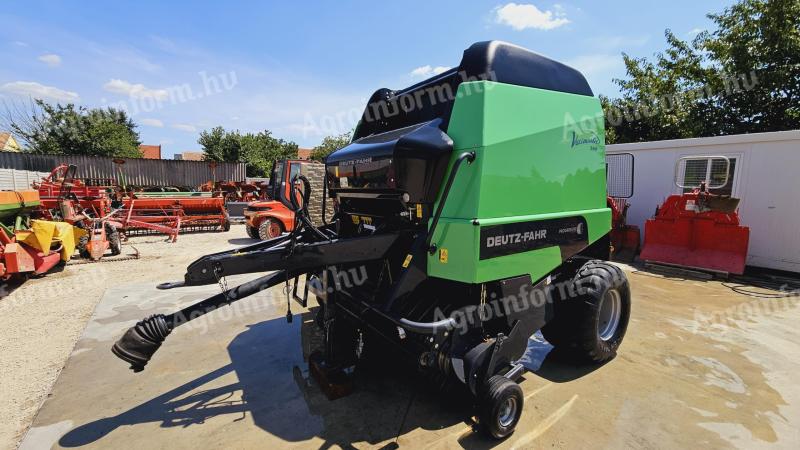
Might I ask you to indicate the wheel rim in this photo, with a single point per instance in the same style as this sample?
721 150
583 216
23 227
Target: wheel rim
610 314
507 412
274 229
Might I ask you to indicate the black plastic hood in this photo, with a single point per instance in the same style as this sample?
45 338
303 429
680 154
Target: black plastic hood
410 160
433 98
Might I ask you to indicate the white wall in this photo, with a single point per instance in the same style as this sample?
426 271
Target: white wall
766 179
18 180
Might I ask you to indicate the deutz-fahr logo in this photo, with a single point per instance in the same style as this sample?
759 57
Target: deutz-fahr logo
515 238
354 162
589 138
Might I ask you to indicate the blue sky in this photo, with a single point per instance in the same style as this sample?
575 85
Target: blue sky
300 69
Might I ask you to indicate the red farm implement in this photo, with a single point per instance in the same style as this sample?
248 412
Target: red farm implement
18 258
698 228
175 213
129 211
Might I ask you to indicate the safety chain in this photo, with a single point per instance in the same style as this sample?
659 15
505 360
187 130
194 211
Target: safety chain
223 283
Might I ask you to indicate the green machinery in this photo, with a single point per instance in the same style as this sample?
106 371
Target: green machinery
474 204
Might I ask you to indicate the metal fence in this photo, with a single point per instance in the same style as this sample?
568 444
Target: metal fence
137 172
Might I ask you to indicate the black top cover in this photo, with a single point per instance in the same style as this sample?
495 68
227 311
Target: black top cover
489 60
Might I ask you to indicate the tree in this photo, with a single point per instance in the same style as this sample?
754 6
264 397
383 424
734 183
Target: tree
330 144
743 77
258 150
69 130
220 145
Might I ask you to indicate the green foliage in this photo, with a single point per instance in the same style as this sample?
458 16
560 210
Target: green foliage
330 144
70 130
744 77
258 150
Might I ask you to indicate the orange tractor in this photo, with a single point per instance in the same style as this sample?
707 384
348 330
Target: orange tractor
266 219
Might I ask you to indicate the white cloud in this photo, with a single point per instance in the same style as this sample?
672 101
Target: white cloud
51 59
427 71
118 86
695 31
38 90
152 122
184 127
522 16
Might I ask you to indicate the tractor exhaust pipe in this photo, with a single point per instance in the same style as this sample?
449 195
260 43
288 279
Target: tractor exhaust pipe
138 345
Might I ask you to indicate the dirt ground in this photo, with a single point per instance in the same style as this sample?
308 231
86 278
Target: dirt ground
43 318
704 363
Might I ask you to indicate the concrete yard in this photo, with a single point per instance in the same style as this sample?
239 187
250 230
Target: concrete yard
701 366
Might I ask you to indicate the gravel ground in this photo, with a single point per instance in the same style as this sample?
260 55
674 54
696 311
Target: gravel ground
43 318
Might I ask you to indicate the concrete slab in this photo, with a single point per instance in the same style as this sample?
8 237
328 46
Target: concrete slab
701 366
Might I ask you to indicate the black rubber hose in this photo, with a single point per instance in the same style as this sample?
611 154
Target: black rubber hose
141 341
301 212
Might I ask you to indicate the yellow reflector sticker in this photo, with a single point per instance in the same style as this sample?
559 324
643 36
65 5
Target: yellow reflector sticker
443 255
419 210
355 219
407 261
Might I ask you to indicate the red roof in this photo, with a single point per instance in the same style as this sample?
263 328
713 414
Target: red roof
150 151
304 153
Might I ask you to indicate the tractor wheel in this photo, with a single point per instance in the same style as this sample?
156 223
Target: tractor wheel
590 327
252 232
269 228
500 406
226 226
114 242
83 246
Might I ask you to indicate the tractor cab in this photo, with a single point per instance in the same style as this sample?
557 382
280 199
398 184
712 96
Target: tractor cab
269 218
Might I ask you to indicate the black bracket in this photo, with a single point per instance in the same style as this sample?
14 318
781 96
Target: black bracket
470 157
303 301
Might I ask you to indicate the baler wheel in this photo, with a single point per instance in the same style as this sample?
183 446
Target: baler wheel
501 406
269 228
591 326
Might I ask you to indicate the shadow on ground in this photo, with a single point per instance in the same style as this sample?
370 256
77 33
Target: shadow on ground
274 388
243 241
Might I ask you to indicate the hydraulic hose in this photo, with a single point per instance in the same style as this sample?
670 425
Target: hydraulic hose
301 211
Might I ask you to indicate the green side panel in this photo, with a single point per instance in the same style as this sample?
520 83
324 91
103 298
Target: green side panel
461 239
539 155
11 210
